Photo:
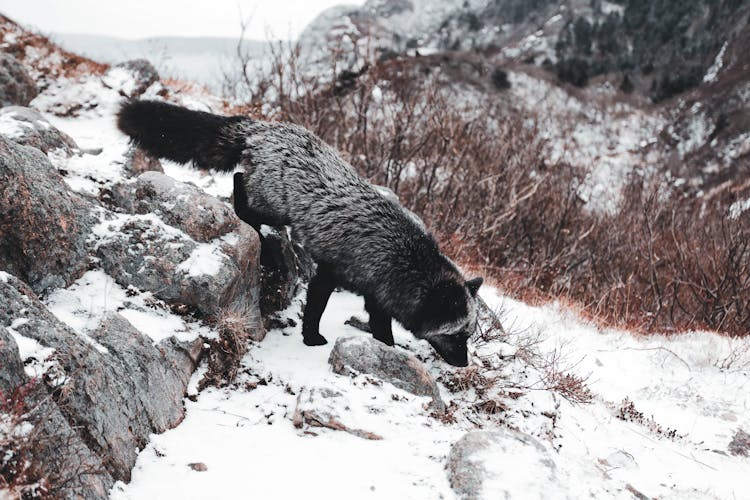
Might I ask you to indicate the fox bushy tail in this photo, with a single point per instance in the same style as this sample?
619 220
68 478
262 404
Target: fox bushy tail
180 134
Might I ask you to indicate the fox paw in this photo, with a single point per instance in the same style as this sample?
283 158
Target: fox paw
315 340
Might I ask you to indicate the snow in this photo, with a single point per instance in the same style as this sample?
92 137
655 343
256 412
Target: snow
610 7
519 469
252 430
86 96
206 259
713 71
606 138
696 132
120 79
83 305
738 208
99 164
12 128
4 277
33 354
111 226
695 383
217 184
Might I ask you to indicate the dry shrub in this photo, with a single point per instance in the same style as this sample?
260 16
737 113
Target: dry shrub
18 475
38 458
470 378
43 54
629 413
226 352
478 178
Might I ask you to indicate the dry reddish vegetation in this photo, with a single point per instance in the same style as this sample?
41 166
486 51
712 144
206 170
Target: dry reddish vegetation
17 474
42 54
662 260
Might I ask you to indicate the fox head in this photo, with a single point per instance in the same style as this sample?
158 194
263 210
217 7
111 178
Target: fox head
448 318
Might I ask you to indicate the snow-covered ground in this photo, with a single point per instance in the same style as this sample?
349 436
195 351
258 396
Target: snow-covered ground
697 384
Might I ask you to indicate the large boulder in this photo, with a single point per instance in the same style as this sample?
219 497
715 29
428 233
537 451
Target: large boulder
113 414
16 86
43 225
143 252
502 463
180 204
131 78
29 128
365 355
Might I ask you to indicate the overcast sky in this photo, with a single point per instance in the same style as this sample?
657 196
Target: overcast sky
145 18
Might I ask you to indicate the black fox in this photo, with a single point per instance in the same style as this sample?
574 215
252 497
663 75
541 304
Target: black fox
360 240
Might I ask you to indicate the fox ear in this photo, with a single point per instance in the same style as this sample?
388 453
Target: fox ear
473 285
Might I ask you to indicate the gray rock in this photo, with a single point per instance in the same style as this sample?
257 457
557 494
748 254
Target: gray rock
16 86
502 463
180 204
29 128
43 225
11 368
113 415
363 354
157 258
137 162
131 78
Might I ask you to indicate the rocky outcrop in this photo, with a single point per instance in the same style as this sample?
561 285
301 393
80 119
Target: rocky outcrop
362 354
43 226
146 253
502 463
179 204
29 128
131 78
16 86
107 417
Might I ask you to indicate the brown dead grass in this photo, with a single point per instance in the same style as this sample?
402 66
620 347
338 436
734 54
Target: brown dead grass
225 353
661 261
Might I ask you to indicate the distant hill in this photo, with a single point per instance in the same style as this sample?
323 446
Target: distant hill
200 59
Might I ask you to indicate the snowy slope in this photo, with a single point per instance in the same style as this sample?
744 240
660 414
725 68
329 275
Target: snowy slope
246 439
697 384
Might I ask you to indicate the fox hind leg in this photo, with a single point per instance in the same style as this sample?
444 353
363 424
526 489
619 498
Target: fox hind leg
318 292
242 205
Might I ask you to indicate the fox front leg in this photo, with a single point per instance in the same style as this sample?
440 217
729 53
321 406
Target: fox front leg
380 322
